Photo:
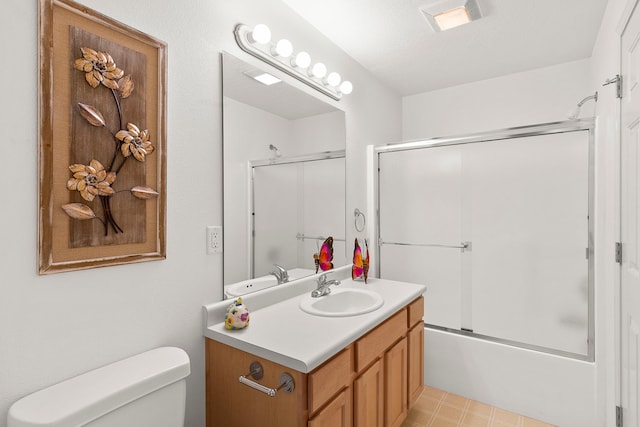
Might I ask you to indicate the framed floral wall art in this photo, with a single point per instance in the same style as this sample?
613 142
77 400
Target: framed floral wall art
102 157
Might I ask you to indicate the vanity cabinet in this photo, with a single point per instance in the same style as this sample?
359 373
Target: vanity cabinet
231 403
370 383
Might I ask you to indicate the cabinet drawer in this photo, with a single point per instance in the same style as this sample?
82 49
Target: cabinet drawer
327 380
372 345
416 312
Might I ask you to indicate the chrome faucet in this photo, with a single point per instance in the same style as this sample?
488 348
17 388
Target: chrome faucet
282 276
323 286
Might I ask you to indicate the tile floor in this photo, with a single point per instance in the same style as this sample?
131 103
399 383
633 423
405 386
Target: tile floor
436 408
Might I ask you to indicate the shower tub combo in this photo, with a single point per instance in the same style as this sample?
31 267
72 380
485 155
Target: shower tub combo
499 226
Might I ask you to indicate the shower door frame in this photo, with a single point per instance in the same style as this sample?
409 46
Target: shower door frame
251 166
373 192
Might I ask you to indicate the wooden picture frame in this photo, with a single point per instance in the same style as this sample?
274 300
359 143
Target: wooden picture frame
102 138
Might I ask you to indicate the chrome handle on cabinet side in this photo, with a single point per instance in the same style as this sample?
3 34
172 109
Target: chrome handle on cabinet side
255 371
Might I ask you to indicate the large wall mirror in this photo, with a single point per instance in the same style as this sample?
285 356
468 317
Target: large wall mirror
284 178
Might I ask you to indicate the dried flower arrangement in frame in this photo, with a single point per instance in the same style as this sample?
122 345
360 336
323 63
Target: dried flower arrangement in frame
102 158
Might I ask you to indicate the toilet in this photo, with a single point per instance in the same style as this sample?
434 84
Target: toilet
146 390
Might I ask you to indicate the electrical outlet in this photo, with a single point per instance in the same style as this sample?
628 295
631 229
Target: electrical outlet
214 239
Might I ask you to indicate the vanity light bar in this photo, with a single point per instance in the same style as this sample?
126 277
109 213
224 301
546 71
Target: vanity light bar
257 42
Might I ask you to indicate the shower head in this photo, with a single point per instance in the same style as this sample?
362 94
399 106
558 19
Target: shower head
276 152
575 112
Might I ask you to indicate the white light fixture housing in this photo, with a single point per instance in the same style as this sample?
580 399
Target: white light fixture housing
257 42
446 14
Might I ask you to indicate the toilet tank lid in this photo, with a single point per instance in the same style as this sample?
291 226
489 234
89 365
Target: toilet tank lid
86 397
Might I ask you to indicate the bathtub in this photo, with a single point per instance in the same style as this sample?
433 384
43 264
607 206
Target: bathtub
555 389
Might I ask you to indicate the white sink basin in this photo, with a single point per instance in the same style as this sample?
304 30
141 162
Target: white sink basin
342 302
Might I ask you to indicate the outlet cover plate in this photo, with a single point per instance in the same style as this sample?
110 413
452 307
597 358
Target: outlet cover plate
214 239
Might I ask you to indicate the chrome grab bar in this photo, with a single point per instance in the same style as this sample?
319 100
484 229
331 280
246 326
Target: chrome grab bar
464 246
301 236
256 372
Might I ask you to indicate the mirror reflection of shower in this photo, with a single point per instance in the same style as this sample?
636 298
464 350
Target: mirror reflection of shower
293 201
273 123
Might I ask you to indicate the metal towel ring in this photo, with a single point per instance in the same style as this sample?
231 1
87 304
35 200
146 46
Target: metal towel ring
359 217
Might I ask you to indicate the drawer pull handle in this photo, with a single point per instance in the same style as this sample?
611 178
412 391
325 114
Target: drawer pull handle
256 372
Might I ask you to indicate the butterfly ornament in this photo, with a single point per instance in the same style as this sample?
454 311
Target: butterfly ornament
323 259
360 266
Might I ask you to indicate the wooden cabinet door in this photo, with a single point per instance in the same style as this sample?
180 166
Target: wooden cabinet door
395 384
415 376
326 381
336 414
368 397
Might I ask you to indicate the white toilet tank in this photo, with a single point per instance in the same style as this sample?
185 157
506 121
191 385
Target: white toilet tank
146 390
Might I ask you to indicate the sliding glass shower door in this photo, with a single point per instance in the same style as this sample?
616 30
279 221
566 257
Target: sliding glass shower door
498 229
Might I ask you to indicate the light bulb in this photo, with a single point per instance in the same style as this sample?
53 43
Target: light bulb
260 34
301 60
333 79
318 70
283 48
346 87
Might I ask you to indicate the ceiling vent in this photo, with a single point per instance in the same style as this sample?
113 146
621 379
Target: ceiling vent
446 14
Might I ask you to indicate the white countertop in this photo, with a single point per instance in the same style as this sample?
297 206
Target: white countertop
281 332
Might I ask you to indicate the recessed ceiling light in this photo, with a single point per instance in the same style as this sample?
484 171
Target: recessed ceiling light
446 14
452 18
262 77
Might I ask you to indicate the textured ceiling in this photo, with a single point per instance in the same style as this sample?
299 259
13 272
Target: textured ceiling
392 39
